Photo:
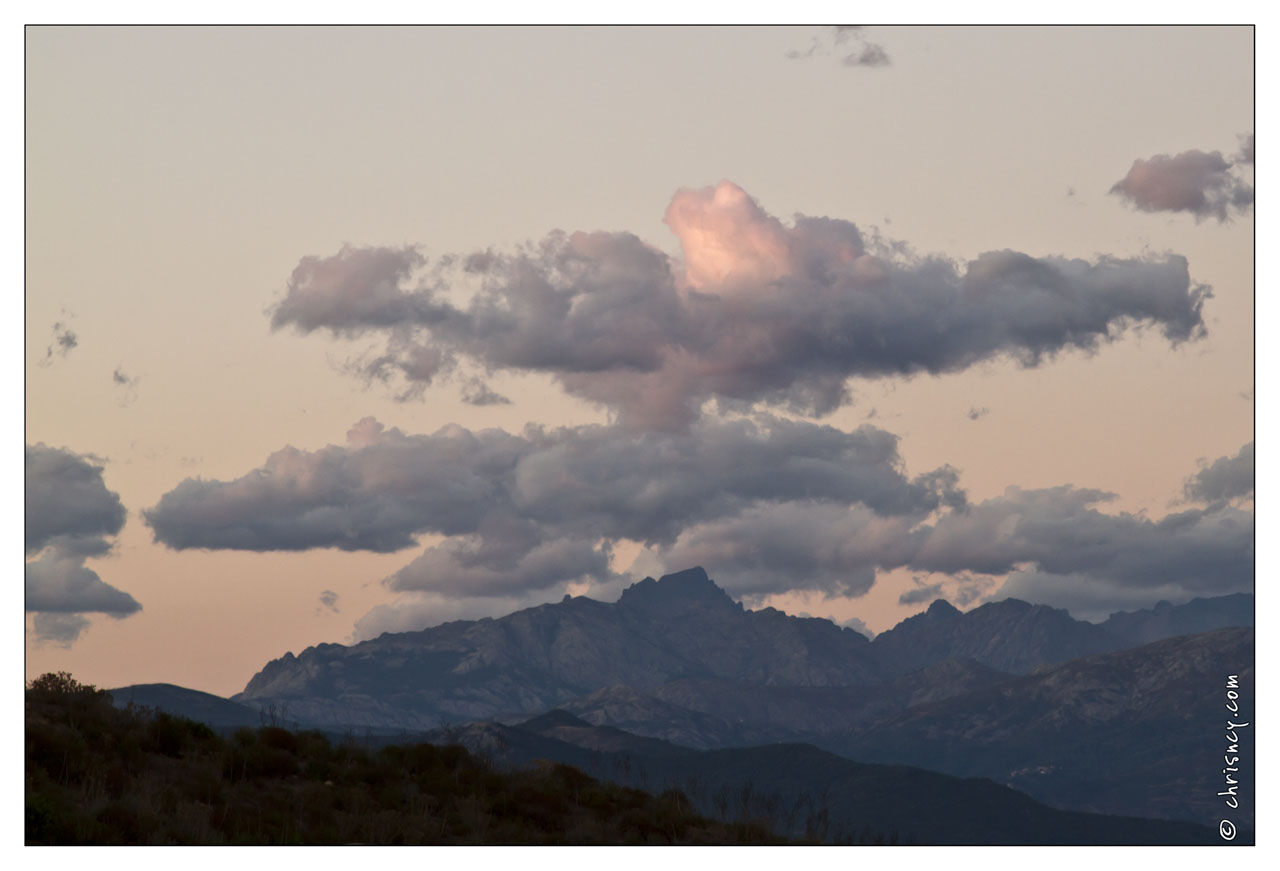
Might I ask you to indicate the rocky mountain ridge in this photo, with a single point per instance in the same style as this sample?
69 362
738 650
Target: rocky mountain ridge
672 632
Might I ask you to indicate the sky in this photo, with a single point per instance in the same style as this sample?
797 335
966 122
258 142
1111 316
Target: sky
332 332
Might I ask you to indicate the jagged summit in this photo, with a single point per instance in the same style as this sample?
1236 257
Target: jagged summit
689 588
942 608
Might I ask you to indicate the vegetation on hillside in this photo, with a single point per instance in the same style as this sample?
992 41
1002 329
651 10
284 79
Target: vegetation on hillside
97 774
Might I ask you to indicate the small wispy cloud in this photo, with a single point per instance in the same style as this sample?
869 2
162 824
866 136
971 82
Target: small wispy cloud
850 43
126 385
477 392
63 342
976 413
328 602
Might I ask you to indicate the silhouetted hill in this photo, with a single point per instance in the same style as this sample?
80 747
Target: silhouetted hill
193 704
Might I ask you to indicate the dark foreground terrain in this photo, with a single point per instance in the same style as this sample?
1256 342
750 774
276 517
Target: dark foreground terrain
97 774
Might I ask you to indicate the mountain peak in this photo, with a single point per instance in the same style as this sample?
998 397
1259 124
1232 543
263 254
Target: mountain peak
676 590
942 608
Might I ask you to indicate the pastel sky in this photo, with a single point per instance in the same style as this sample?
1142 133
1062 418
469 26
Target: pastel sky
331 332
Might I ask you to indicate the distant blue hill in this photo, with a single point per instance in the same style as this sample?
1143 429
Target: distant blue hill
196 705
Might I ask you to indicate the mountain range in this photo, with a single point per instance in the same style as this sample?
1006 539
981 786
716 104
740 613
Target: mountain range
682 627
1113 717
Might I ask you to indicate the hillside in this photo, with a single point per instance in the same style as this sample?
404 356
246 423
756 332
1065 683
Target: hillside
98 774
1124 732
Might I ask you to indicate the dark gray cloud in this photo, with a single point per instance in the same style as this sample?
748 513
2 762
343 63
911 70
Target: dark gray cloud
976 413
1206 184
383 488
1050 533
847 41
67 502
486 565
769 505
529 511
756 312
1224 479
70 516
60 583
59 630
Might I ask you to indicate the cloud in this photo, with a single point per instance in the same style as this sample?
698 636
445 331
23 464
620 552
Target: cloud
64 340
1202 183
1245 155
834 549
478 393
850 42
354 290
1224 479
768 505
411 612
756 311
976 413
857 626
68 503
543 508
487 565
384 488
59 630
60 583
70 517
126 385
921 592
1042 534
328 602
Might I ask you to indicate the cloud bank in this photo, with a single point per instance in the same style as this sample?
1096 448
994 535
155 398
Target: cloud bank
539 509
70 516
755 312
769 506
1205 184
1224 479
